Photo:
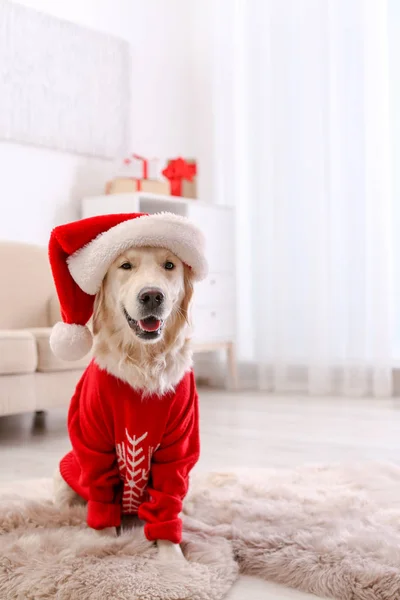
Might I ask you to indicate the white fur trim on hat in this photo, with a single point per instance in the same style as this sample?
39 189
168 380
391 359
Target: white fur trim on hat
70 342
89 265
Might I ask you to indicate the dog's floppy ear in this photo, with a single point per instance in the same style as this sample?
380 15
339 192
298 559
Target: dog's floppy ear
99 308
188 293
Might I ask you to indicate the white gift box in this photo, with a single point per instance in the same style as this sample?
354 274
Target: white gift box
134 166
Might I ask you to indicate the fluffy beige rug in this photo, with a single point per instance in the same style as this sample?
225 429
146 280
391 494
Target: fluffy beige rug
46 553
333 531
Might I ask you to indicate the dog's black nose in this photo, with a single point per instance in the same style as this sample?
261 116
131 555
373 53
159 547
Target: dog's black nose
151 297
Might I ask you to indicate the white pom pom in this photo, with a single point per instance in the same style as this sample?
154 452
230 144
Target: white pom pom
70 342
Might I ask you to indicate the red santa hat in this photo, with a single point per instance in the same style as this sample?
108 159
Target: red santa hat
81 252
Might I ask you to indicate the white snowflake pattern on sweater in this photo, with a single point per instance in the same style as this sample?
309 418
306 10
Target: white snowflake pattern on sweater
134 467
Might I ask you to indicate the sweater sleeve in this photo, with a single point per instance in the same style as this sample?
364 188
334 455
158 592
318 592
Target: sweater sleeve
94 449
171 465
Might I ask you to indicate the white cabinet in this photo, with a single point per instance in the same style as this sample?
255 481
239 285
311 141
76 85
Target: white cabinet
214 311
217 290
217 222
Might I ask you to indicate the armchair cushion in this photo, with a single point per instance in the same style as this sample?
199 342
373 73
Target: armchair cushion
18 354
47 362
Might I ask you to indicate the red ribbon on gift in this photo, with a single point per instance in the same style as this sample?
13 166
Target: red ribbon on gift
145 164
178 170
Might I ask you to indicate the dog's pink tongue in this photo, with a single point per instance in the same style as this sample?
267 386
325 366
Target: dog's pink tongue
150 324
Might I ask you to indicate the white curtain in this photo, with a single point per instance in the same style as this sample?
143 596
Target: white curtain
302 144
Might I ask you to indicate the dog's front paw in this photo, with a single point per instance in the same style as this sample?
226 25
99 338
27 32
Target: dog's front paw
169 552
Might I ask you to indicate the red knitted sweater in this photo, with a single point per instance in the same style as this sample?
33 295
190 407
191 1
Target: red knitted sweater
131 453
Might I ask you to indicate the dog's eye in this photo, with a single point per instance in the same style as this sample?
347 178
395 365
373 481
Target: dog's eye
126 266
169 265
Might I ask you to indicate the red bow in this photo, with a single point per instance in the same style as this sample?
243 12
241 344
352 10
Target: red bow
177 170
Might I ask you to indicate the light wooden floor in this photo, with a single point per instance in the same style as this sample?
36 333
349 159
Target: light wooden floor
238 430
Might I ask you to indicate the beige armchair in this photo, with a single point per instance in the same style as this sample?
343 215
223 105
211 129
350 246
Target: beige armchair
31 378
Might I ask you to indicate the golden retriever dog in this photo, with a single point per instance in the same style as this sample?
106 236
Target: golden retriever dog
141 329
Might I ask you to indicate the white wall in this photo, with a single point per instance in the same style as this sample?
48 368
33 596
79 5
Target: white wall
40 187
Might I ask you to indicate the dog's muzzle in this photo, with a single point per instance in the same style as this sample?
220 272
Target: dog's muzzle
148 329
